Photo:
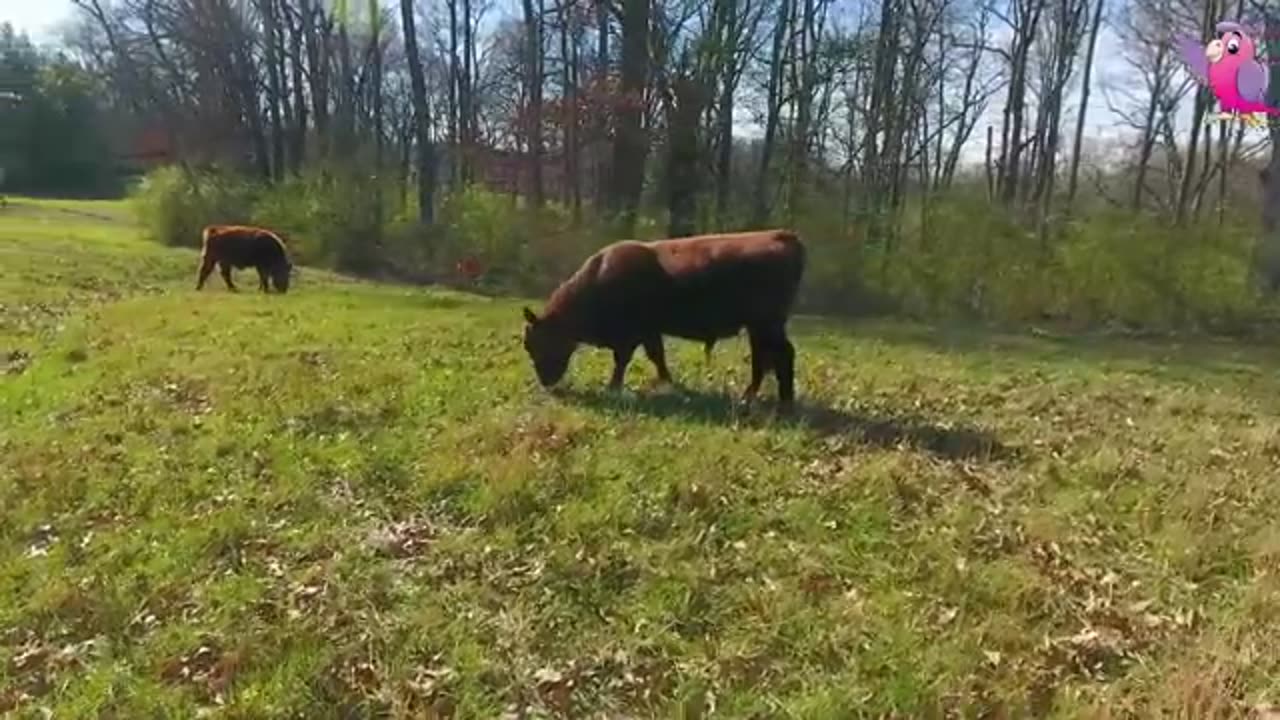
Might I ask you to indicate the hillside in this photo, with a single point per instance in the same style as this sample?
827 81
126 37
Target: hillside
354 500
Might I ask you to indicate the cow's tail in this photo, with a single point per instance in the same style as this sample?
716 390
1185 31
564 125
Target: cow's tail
206 238
799 258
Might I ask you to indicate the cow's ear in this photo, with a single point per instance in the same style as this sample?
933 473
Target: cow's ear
529 317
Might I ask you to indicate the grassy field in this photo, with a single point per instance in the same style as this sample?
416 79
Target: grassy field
354 501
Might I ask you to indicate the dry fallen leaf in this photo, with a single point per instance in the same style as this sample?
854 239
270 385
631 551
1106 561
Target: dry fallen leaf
30 658
554 688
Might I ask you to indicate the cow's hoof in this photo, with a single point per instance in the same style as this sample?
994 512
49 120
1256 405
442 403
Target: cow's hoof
664 386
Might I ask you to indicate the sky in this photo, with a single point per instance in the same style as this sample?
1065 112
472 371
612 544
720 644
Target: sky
40 19
36 17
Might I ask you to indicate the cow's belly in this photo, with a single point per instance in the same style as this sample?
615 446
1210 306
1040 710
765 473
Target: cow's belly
703 311
701 326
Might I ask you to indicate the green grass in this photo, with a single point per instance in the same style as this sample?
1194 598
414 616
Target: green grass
354 500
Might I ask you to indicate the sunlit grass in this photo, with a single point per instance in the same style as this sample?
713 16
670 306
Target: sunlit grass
354 499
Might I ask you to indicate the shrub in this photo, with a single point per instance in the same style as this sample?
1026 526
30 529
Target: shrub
956 255
331 218
174 206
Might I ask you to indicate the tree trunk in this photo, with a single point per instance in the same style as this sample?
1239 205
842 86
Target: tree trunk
569 51
346 129
1024 36
630 148
298 147
967 122
1148 135
601 161
803 55
724 118
880 117
454 81
1073 182
245 74
773 111
682 161
375 23
317 56
466 100
270 21
421 116
533 79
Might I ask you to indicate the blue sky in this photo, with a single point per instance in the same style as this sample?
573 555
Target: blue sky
40 19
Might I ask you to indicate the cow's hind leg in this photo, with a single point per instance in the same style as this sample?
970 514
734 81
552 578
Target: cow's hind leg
784 369
657 355
206 269
621 358
225 269
761 362
772 350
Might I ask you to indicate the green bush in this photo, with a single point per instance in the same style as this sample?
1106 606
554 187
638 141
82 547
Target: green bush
330 218
1135 270
956 255
521 248
174 206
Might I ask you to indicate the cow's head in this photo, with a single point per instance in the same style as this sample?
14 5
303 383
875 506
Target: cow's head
549 346
280 276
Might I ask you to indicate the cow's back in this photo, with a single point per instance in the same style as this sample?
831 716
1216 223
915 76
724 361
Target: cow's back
242 245
703 288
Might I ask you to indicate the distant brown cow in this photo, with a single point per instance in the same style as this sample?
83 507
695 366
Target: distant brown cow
703 288
241 246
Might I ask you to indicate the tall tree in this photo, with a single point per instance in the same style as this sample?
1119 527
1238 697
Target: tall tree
1086 86
630 147
275 83
534 77
773 109
421 115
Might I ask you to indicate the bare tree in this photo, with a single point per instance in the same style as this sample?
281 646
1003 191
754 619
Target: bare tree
630 147
534 77
773 106
422 116
1024 22
1086 88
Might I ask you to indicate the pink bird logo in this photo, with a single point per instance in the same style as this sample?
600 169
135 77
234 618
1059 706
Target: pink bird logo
1229 65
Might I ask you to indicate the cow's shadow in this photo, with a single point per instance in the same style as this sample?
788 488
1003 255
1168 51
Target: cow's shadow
689 405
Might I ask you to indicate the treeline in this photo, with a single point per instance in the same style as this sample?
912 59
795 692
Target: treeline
55 134
396 137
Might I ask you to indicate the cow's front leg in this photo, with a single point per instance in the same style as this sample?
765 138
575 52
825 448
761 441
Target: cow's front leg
621 357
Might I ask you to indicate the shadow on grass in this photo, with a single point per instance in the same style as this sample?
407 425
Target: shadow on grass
690 405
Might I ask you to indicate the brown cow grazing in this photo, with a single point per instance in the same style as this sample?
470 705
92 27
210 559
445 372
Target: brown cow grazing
241 246
705 288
